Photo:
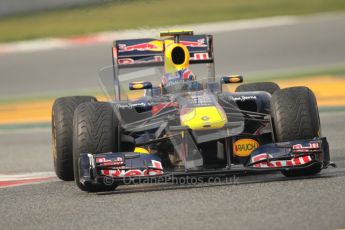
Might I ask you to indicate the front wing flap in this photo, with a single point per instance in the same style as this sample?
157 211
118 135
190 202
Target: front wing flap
291 154
94 167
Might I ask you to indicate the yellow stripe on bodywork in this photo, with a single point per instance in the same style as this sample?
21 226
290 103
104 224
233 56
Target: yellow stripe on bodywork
141 150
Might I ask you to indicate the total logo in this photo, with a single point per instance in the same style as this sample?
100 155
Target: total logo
244 147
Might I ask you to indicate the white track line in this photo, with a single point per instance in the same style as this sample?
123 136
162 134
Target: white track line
26 176
14 180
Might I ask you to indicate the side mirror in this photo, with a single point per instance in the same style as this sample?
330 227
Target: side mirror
231 79
140 85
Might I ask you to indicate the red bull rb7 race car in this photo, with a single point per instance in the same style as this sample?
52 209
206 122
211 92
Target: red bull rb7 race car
168 116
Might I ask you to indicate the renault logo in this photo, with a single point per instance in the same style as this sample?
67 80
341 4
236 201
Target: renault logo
205 118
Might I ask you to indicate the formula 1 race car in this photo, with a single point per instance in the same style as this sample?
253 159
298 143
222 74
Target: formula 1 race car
168 116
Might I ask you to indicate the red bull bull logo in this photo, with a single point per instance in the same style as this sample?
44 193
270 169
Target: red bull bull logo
126 61
149 46
158 45
198 43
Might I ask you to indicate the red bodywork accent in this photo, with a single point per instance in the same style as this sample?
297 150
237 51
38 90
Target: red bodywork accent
138 47
296 161
199 43
156 108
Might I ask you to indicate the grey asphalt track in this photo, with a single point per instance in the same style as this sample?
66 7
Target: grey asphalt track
311 42
267 201
253 202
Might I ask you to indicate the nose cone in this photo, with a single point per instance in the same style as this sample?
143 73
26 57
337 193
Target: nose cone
204 118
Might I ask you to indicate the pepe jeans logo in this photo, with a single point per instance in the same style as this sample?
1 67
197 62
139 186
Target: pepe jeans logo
243 98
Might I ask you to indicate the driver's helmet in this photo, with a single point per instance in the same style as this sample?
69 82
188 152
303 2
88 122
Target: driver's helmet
179 80
177 77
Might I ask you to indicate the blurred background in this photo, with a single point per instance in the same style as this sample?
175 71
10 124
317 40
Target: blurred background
55 48
51 48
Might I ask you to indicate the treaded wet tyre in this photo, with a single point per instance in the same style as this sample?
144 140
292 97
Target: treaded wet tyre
95 131
269 87
296 117
62 134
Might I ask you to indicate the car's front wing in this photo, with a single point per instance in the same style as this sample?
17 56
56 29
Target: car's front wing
130 166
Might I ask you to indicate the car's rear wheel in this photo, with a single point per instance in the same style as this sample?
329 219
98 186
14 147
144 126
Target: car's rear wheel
269 87
296 117
95 131
62 134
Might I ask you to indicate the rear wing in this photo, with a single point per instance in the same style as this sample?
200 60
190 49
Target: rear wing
150 51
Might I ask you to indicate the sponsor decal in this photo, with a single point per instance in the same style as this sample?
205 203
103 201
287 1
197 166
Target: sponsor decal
205 118
296 161
201 99
157 169
125 106
200 56
126 61
198 43
242 98
102 161
148 46
313 146
244 147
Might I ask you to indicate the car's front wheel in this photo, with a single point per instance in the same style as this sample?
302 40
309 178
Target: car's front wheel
62 134
95 131
296 117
